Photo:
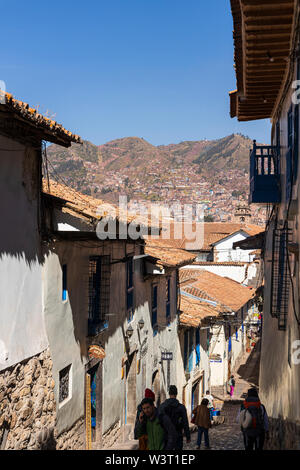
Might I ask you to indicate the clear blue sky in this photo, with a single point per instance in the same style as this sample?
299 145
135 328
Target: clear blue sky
157 69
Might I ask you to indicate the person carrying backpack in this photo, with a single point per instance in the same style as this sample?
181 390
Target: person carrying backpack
202 420
178 415
254 421
159 428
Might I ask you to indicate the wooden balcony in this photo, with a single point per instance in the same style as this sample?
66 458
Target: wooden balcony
264 175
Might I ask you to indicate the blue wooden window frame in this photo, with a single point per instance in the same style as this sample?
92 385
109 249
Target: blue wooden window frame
191 349
242 317
198 356
229 339
168 301
185 349
64 282
154 308
129 289
236 334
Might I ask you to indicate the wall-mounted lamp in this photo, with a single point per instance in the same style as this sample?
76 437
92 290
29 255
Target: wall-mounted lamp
129 331
141 323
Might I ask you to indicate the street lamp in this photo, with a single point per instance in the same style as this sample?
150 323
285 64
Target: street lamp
141 323
129 331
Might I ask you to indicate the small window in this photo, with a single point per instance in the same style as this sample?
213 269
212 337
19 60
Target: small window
64 384
154 310
64 282
129 289
168 301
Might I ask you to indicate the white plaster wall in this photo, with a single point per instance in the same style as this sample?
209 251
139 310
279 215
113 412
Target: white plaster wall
202 369
223 250
236 273
279 380
22 330
218 346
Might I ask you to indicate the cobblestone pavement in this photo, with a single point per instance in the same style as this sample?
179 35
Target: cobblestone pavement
222 437
228 436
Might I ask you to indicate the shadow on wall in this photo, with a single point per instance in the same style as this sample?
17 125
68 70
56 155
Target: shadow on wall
78 298
250 370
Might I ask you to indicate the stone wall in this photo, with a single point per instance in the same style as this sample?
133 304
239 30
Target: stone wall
283 435
113 435
27 406
74 439
28 409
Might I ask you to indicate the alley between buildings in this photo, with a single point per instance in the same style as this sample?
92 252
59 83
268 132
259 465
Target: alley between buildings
227 435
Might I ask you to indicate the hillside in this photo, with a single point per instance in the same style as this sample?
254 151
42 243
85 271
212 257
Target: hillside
133 152
214 173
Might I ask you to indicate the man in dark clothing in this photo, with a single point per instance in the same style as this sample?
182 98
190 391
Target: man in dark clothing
142 439
178 415
159 428
256 430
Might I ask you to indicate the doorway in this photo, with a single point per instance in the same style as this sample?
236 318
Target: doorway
93 404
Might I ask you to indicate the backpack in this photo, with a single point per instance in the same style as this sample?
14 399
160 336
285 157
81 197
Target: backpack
252 418
175 415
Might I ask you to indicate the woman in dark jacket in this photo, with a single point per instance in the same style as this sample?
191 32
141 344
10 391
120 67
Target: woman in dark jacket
202 420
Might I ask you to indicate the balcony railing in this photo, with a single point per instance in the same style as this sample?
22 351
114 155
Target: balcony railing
264 175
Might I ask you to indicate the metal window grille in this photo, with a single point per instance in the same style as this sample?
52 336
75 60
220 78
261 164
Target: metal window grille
99 290
280 284
64 383
289 154
168 301
296 144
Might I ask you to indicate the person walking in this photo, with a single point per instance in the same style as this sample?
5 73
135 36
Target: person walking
143 440
202 420
178 415
231 384
211 403
160 430
254 421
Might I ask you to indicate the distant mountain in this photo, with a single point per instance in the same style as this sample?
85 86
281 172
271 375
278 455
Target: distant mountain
231 151
133 158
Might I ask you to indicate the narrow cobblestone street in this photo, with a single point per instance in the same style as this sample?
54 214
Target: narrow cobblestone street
226 436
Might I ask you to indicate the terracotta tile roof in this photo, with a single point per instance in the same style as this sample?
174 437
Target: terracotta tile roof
223 290
84 206
193 312
50 130
167 256
213 232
